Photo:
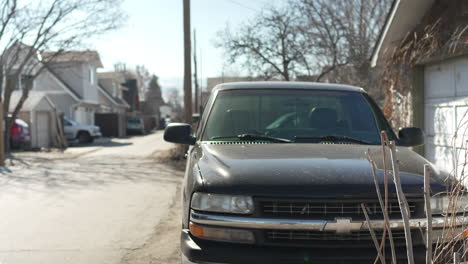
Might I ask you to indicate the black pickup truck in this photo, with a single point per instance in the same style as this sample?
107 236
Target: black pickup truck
277 171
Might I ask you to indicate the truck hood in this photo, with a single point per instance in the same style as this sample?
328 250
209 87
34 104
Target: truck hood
306 170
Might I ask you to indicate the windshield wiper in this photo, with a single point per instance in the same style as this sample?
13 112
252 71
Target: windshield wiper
334 139
253 137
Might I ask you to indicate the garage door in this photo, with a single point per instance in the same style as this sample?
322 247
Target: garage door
43 129
446 111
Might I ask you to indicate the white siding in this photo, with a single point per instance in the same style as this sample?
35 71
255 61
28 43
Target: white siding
90 88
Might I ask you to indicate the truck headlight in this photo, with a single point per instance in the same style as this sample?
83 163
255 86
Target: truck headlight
441 204
235 204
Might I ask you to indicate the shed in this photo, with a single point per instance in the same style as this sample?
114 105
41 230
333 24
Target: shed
39 112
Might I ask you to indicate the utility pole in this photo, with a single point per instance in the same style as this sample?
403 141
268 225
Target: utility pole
188 64
2 139
195 74
200 95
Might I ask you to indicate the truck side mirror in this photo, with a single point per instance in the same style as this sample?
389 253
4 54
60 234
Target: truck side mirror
179 133
410 137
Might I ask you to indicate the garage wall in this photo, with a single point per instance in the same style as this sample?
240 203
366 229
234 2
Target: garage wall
446 111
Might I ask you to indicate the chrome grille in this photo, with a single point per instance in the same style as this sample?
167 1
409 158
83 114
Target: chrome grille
330 209
299 235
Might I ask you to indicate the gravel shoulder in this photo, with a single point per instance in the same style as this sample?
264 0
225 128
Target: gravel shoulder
160 248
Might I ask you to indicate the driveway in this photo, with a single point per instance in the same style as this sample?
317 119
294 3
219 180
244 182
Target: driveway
92 204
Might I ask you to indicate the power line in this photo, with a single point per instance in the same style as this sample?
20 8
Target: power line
242 5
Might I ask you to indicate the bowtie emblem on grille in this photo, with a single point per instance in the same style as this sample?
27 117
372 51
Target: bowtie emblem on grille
343 226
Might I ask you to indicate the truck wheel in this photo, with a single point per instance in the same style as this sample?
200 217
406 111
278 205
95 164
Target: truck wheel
84 137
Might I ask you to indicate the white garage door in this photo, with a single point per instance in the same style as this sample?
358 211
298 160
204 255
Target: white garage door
43 129
446 111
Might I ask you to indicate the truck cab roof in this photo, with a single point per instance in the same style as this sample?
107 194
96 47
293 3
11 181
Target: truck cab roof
287 85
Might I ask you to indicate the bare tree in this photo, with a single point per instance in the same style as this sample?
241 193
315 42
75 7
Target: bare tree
144 78
270 46
344 34
27 28
174 99
153 97
319 40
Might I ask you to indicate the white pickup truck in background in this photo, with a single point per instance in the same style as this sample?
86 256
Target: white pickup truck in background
83 133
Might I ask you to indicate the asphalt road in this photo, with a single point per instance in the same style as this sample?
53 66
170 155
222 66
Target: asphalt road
103 203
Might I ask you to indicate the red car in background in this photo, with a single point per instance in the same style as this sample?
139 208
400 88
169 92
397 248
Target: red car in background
20 136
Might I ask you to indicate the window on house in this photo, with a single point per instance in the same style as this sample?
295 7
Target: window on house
25 81
91 75
22 81
114 90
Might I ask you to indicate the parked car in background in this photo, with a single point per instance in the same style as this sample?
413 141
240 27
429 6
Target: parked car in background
136 125
277 173
20 136
83 133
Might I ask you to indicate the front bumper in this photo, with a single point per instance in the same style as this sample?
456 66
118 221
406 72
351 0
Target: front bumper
197 250
207 252
316 225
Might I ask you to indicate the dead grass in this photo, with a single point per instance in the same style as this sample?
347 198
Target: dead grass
174 157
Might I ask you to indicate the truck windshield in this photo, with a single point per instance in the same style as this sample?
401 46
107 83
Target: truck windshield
301 116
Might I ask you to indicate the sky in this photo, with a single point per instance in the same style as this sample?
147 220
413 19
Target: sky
153 35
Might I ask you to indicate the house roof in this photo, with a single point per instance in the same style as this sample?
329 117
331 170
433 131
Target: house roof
33 100
113 99
89 56
402 19
65 85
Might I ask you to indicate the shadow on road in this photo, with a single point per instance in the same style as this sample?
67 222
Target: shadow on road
102 144
43 174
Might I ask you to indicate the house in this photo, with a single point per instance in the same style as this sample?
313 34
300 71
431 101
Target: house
111 115
110 92
70 80
427 40
67 79
165 111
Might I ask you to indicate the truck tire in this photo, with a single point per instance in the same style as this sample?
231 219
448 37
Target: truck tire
84 137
